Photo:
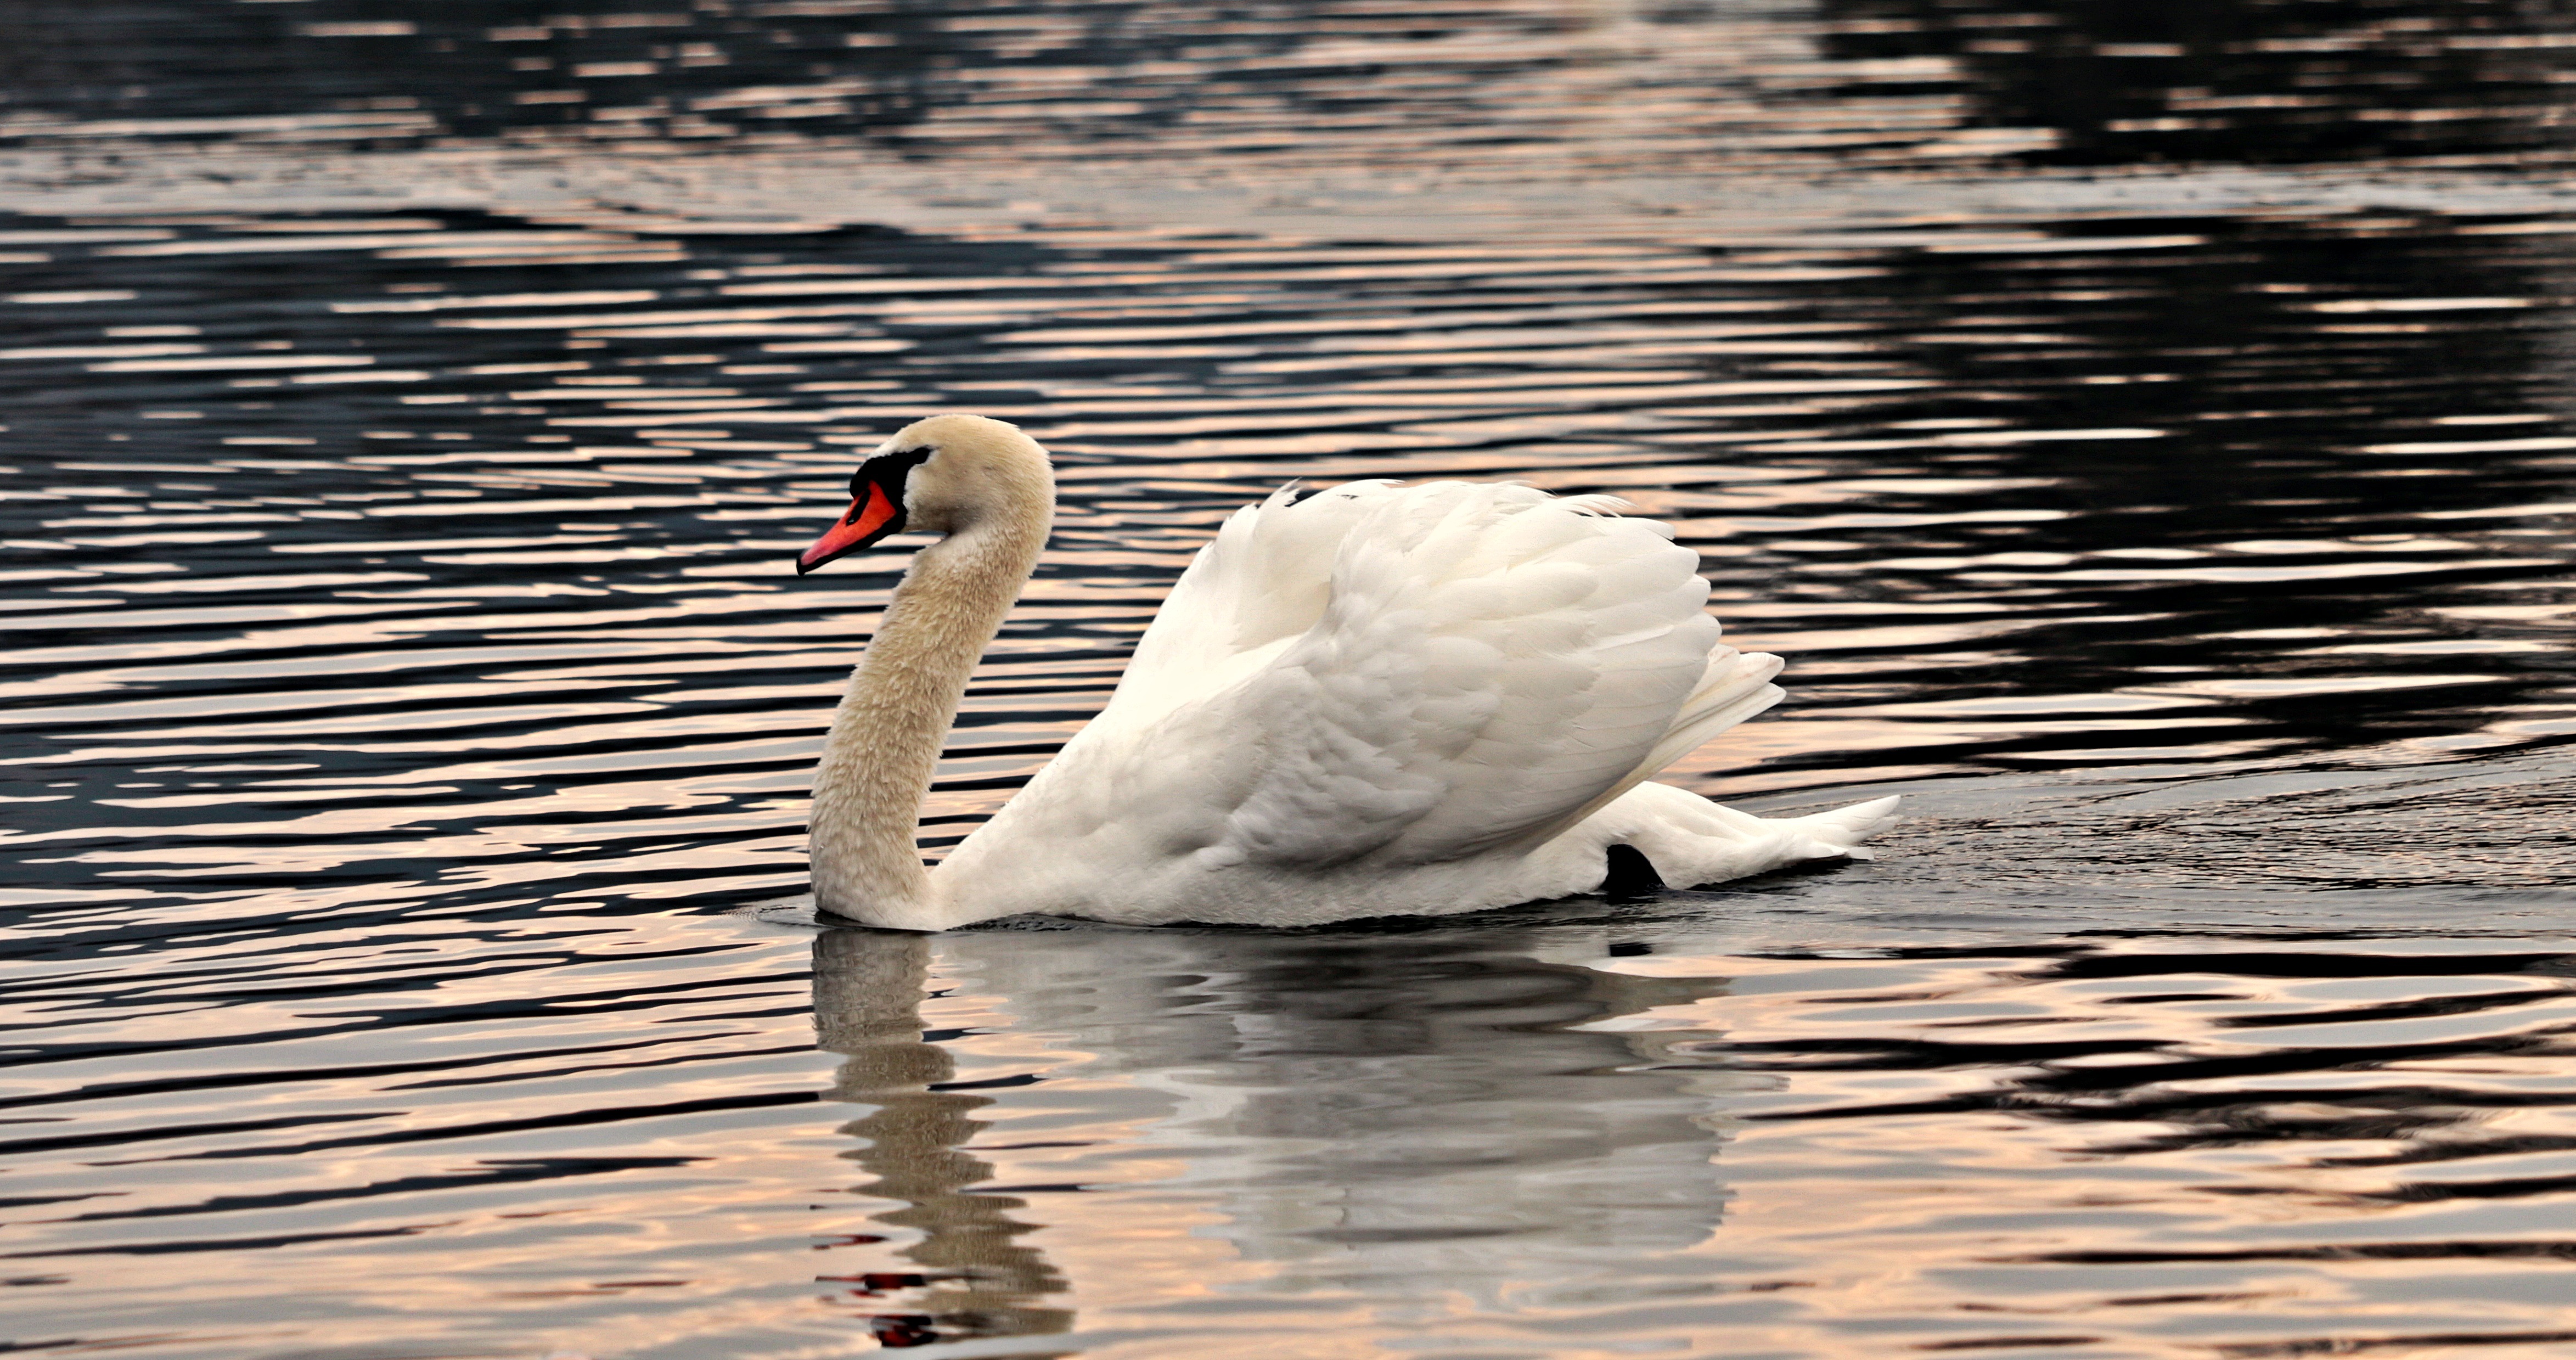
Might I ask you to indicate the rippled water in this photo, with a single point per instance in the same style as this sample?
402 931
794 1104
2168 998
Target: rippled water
2145 431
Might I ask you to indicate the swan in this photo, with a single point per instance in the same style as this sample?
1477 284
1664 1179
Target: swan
1375 700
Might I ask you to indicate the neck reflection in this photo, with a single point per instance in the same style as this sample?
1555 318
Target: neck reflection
974 1277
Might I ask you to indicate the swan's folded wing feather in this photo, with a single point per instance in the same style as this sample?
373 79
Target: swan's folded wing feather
1485 662
1263 580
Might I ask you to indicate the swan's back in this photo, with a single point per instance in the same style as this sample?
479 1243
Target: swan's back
1412 675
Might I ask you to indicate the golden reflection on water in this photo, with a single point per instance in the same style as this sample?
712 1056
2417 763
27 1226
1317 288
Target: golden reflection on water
1489 1136
396 501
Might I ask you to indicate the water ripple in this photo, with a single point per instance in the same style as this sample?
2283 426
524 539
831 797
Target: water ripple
410 680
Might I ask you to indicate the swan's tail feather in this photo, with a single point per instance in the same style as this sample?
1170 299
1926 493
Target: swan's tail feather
1736 686
1844 828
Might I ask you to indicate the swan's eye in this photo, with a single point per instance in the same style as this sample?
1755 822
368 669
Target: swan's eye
889 470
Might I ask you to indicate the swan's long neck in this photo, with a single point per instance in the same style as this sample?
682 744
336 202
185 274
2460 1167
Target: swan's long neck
886 735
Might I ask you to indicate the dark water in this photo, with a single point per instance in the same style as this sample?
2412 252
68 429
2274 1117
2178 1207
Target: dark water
2144 428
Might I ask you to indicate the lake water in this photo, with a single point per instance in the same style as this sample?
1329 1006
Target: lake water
2146 431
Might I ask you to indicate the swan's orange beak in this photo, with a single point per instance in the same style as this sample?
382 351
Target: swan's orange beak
872 516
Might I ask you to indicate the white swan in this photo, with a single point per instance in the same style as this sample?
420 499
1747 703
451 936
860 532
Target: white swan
1379 700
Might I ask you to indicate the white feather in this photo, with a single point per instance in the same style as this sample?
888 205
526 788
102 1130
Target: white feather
1388 699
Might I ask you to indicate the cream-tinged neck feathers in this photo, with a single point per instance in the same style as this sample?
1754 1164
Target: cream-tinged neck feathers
988 489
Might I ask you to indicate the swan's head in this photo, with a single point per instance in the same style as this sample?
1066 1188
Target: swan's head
943 475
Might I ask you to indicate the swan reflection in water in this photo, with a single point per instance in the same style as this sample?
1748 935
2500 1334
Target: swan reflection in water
1452 1117
975 1279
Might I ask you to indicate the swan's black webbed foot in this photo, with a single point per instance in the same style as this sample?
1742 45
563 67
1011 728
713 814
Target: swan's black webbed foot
1631 874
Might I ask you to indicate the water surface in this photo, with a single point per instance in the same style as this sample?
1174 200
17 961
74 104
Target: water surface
2146 436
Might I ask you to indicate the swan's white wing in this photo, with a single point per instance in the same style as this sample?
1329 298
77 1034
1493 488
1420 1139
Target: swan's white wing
1479 664
1262 581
